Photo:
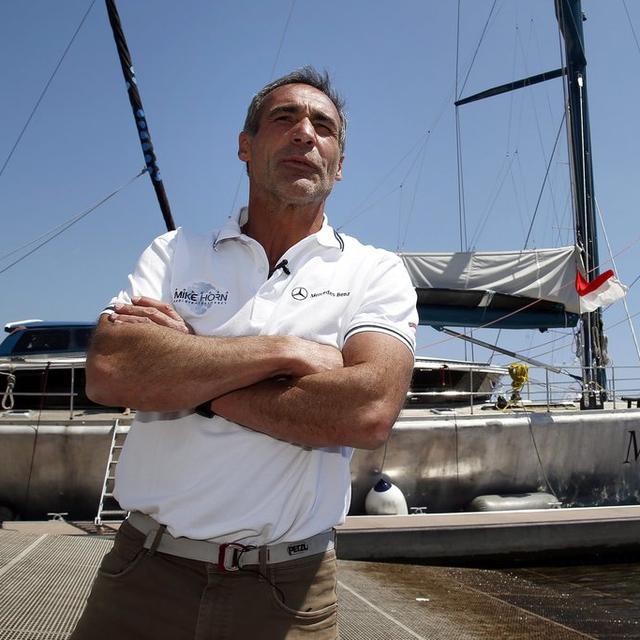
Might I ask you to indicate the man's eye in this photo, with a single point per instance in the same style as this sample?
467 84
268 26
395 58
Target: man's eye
325 128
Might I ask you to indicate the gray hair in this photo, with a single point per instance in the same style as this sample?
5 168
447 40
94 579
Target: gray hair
304 75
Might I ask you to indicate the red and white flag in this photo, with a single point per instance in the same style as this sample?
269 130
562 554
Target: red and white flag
600 292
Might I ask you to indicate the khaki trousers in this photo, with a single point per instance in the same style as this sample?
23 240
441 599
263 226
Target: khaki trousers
138 595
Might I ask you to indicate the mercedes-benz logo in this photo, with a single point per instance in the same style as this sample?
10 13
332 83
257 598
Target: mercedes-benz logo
299 293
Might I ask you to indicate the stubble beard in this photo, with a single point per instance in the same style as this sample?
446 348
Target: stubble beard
301 191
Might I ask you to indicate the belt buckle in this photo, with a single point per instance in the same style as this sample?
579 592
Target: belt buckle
228 556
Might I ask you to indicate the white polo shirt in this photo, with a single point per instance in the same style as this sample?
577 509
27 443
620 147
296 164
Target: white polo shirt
214 479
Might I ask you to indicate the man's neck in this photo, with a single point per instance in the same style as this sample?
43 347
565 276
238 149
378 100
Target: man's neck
278 226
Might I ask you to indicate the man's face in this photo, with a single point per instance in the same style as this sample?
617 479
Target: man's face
295 155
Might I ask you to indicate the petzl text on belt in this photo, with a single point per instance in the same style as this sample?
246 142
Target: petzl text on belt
229 556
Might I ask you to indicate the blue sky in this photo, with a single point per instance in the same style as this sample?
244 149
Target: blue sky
198 63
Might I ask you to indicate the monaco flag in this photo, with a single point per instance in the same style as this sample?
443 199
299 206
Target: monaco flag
600 292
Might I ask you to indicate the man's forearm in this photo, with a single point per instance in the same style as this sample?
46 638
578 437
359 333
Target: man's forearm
354 406
153 368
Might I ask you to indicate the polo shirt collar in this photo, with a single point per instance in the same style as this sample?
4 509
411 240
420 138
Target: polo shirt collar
232 227
327 236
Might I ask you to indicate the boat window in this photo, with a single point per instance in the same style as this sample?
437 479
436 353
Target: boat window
82 338
43 341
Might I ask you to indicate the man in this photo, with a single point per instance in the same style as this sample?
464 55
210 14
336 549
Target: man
295 344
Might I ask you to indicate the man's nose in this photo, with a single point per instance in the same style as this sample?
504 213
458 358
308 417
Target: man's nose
303 133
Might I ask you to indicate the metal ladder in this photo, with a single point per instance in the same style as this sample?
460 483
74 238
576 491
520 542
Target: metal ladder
108 509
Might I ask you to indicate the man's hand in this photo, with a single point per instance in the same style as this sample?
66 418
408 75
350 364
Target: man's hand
312 357
150 311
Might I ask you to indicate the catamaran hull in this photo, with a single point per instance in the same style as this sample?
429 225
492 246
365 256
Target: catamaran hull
441 463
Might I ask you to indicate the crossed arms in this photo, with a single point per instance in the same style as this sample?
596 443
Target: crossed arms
145 357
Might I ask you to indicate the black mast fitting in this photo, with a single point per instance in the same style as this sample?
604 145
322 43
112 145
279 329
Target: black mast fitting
138 114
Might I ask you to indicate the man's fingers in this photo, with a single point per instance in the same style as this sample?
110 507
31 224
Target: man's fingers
167 309
154 315
116 318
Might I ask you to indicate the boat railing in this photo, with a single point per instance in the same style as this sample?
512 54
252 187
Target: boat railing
544 389
11 392
550 388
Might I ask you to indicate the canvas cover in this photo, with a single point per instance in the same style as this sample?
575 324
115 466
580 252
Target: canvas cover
546 274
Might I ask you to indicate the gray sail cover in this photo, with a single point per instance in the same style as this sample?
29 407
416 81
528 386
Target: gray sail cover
546 274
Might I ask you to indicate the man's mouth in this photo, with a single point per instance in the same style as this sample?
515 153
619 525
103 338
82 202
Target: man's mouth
299 162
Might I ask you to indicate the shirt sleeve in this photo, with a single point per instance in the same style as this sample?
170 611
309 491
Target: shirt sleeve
388 305
152 274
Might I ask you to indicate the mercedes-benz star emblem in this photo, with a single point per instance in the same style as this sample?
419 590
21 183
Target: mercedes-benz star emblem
299 293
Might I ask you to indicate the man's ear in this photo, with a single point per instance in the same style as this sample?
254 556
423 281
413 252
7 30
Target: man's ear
338 175
244 147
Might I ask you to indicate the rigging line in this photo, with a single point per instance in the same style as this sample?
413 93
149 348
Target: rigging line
520 194
569 339
536 40
612 326
273 70
635 37
539 132
284 33
368 207
28 244
544 181
235 195
545 353
631 285
623 250
615 268
543 344
475 53
461 213
511 95
73 221
499 183
457 123
44 91
457 53
380 182
534 36
415 193
462 217
399 215
414 161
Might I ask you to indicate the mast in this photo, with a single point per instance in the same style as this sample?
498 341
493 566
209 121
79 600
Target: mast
570 18
138 114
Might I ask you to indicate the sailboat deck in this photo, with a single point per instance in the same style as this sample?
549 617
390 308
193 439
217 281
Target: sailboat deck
45 575
86 417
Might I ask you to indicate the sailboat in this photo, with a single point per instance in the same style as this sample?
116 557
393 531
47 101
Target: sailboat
584 455
443 457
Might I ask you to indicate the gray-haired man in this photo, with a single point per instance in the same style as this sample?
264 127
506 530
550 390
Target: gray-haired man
295 344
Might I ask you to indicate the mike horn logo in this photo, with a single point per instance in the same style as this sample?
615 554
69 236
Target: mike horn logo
299 293
200 296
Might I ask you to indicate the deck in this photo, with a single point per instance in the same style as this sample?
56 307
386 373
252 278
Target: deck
46 570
